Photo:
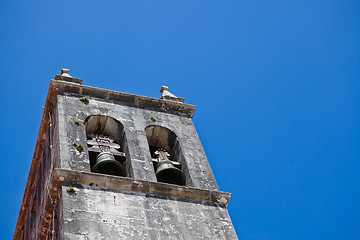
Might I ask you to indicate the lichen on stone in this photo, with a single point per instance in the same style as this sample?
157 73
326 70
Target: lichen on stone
78 146
70 190
84 100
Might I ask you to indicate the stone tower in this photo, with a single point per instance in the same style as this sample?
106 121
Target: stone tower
111 165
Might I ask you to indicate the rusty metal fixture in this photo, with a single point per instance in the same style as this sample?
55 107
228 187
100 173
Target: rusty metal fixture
104 143
106 164
166 172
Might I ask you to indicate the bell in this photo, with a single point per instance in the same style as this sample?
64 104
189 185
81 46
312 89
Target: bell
106 164
167 173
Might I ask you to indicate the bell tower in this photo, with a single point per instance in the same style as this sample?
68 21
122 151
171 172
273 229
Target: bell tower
112 165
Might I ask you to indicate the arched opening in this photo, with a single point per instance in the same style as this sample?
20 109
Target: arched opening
165 153
106 143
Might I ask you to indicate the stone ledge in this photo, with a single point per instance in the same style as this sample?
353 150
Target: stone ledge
68 79
140 101
153 188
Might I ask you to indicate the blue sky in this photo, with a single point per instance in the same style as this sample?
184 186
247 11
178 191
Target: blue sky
276 84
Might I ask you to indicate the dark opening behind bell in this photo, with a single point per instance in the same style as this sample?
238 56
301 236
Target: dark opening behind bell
106 164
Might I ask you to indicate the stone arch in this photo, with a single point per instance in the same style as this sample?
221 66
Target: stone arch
106 136
162 139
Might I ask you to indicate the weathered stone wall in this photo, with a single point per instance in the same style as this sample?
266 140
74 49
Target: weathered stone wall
49 161
93 213
134 120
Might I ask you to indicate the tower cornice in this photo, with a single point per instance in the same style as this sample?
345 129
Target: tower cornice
126 98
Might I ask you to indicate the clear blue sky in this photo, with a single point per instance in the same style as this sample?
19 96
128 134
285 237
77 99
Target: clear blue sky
277 85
